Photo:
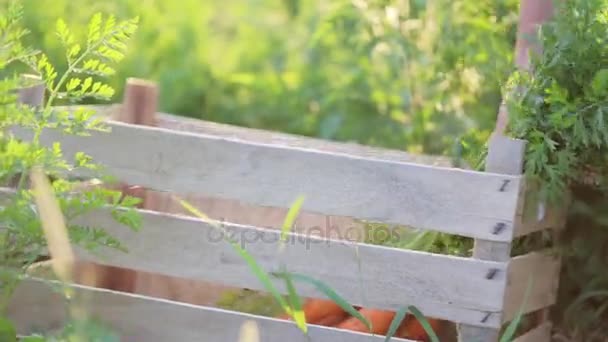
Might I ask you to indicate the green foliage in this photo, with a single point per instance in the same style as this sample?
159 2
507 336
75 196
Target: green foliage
22 240
559 108
333 296
291 304
412 75
414 239
395 323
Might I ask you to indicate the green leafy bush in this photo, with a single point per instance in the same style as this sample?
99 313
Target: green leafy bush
561 108
412 75
22 241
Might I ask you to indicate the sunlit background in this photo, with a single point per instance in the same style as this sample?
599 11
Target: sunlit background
415 75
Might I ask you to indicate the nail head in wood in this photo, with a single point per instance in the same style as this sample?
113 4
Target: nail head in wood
486 317
491 273
504 185
498 228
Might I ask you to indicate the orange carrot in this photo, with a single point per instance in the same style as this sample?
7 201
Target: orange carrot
321 311
332 320
316 310
379 319
327 313
413 330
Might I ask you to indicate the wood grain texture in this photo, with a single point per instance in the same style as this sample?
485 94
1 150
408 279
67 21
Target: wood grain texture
472 333
540 270
541 333
441 286
139 102
236 211
185 124
450 200
35 307
506 156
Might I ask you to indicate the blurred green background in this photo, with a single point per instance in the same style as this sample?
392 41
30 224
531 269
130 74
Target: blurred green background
415 75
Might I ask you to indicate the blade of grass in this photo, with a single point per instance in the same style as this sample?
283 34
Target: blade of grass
511 329
289 220
395 323
58 242
331 294
53 226
424 322
262 275
295 302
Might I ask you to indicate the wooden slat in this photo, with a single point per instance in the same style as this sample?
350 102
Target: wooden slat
542 270
441 286
35 307
450 200
541 333
185 124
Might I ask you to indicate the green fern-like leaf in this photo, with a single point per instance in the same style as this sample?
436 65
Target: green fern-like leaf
106 44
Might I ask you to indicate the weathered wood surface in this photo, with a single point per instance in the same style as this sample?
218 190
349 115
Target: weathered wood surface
450 200
135 318
534 216
441 286
540 333
139 106
288 140
240 212
185 124
506 156
553 218
538 271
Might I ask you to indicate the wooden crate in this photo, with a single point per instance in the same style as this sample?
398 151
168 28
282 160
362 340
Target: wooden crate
480 293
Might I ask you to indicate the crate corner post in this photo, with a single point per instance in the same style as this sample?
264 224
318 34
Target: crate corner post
505 156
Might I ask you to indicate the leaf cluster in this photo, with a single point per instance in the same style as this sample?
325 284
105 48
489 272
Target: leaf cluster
560 107
22 241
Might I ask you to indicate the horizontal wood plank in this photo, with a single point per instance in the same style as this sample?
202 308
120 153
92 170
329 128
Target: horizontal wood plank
36 307
536 271
541 333
186 124
449 200
373 276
